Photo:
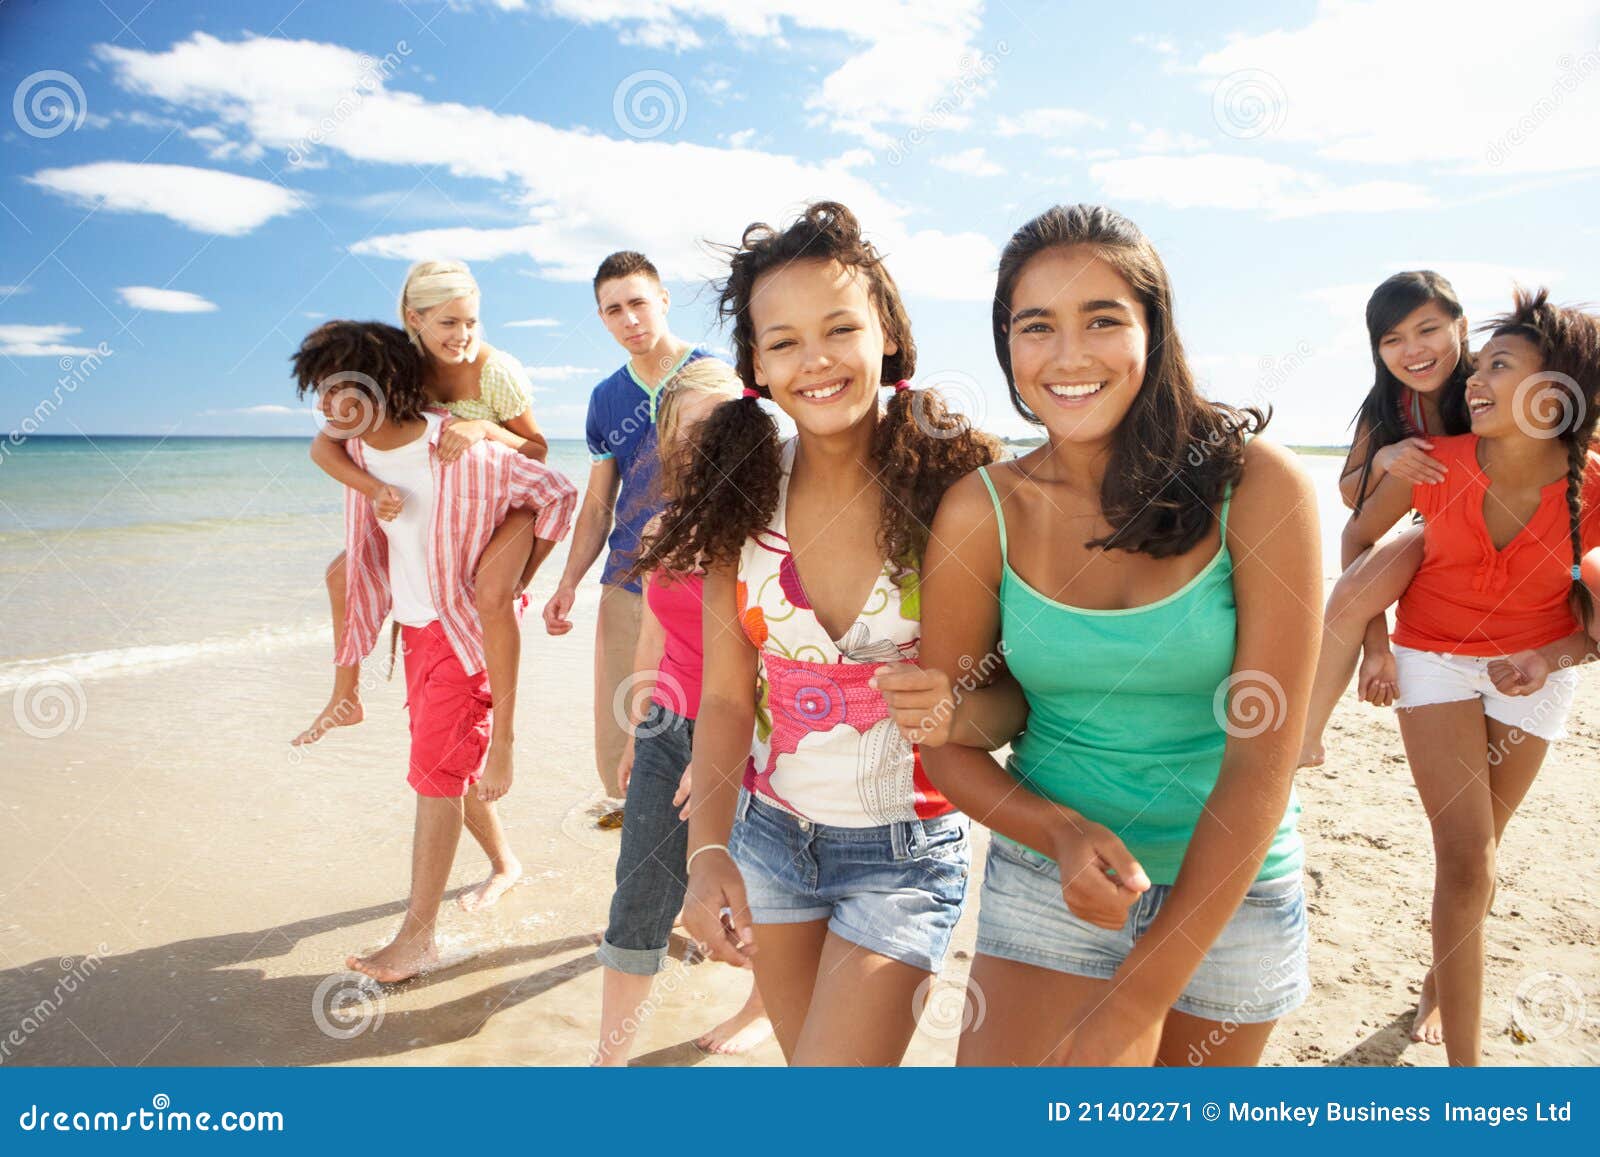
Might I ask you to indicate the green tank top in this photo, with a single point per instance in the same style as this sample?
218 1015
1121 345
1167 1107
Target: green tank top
1124 717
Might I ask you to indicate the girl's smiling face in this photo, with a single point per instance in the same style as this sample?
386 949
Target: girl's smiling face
1504 363
450 332
1078 338
819 344
1422 351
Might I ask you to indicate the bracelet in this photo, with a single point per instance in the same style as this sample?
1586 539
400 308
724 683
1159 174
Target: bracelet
704 848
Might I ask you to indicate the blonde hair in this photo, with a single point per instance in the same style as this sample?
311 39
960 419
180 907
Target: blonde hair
705 375
430 284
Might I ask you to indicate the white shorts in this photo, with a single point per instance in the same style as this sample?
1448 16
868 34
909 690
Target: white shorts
1430 677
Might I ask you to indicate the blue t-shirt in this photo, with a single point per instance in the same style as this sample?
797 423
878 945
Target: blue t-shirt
622 425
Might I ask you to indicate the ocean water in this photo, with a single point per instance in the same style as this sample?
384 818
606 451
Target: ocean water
120 552
117 553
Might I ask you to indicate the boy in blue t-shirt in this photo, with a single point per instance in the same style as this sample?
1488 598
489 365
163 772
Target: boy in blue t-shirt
620 497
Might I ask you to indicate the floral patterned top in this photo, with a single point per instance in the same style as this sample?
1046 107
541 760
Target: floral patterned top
825 748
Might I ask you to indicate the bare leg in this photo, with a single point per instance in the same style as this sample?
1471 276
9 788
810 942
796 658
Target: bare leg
742 1031
1514 761
433 850
622 999
1447 745
497 584
786 966
1591 579
1193 1041
483 821
1022 1014
863 1008
1370 585
344 705
616 637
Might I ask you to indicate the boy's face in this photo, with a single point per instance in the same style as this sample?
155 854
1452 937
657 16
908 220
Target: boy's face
634 309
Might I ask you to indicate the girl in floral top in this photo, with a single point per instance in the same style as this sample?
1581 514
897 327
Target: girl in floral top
836 868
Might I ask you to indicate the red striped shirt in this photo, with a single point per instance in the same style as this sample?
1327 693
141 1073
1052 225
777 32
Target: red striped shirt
471 499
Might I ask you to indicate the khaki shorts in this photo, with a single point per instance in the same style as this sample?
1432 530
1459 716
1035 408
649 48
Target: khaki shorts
616 636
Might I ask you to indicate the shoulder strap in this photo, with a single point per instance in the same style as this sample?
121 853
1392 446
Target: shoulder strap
999 511
1222 517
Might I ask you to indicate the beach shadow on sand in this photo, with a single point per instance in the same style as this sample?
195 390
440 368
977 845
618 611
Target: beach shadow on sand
1385 1046
199 1001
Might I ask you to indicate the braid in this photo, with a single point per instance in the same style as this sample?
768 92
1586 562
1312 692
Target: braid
1577 467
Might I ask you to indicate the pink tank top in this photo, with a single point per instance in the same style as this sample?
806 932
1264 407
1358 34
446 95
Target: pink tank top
675 602
825 748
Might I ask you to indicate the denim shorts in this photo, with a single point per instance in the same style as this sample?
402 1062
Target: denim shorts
1255 971
651 877
895 890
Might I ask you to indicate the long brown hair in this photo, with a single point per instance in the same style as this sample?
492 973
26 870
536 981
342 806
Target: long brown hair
1382 410
1568 340
727 489
1174 454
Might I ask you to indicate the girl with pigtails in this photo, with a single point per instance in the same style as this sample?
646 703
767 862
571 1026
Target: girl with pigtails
818 849
1500 611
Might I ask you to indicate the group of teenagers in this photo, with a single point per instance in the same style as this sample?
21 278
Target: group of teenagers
809 649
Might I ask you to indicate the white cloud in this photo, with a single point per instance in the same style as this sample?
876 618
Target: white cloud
151 299
205 200
256 411
927 48
972 162
39 341
1047 122
564 180
1478 88
559 373
532 323
1219 181
1484 288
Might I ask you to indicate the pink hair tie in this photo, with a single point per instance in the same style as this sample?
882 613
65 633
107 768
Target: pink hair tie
902 384
751 392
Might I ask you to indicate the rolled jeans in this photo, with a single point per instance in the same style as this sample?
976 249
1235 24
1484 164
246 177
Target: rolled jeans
651 874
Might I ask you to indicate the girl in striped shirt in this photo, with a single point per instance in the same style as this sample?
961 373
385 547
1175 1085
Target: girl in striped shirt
484 388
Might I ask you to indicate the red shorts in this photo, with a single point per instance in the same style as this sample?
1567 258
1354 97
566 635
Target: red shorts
451 713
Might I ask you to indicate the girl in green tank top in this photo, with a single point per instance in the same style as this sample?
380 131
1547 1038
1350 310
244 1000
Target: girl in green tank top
1135 605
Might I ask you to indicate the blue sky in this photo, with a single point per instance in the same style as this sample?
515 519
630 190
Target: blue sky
193 186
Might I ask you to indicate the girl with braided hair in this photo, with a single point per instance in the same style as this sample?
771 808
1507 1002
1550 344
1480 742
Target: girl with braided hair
1496 617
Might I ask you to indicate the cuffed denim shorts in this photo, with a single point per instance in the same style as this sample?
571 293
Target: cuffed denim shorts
651 875
895 890
1255 971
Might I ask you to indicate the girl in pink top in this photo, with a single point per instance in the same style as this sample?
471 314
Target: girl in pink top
660 702
840 867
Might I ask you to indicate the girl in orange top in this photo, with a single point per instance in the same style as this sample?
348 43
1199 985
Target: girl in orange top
1496 615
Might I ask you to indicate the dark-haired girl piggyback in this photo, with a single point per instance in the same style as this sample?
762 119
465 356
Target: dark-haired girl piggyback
819 850
1150 576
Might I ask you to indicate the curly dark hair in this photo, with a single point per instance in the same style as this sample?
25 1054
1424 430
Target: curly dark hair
1175 453
1568 340
364 356
727 489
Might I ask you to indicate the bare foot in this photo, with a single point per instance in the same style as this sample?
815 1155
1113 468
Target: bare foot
399 961
741 1032
1428 1029
338 713
486 893
1311 754
496 779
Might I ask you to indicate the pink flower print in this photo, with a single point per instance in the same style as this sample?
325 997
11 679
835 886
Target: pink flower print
817 700
789 583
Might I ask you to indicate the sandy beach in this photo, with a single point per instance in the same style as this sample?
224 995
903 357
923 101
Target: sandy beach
181 889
